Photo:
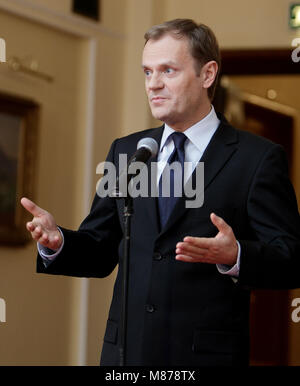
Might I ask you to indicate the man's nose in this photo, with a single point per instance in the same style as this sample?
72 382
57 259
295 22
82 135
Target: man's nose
155 82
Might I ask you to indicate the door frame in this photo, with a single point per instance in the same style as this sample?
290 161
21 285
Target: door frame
269 61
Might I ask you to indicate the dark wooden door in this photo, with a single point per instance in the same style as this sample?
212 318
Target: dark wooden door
269 308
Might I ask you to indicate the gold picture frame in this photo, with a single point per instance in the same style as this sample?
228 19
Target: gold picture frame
18 156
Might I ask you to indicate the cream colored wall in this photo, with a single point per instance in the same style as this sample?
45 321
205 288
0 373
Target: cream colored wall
55 5
63 128
239 23
38 307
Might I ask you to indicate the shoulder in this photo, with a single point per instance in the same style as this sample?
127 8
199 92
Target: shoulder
249 139
136 136
252 151
128 143
248 142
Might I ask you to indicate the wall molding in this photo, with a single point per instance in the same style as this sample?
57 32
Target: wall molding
71 23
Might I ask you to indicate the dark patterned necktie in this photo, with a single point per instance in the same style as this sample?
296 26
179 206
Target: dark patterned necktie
166 204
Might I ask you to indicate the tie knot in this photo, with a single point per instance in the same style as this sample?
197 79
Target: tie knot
179 140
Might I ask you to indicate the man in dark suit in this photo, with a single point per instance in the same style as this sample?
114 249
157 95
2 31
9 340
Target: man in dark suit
191 270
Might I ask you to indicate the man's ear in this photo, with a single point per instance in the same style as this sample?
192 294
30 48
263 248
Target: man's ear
209 72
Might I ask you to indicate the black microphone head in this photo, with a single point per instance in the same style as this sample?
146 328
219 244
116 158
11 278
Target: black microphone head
150 144
146 148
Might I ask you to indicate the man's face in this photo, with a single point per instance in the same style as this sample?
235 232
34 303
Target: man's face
176 94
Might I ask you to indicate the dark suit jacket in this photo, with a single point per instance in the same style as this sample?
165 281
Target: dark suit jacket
189 313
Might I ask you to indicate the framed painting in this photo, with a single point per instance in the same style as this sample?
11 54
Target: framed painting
18 156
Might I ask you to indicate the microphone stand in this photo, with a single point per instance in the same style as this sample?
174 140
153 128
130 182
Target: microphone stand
143 154
128 212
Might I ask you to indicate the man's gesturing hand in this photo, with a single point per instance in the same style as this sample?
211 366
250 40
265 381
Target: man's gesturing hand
221 249
43 227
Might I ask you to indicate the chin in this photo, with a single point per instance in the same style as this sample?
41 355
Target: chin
160 115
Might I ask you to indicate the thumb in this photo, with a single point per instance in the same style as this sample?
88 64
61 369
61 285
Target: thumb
31 207
219 223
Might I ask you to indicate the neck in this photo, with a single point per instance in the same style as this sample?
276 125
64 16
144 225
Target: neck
182 126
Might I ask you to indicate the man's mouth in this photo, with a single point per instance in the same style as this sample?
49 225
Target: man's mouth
157 99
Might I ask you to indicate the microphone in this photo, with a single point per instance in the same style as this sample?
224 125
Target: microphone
146 148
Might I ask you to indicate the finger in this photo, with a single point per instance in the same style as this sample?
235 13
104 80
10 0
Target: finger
54 243
200 242
187 248
192 255
219 223
44 240
30 226
37 233
31 207
190 259
209 254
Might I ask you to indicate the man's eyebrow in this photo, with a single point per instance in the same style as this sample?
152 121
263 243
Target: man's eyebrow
169 63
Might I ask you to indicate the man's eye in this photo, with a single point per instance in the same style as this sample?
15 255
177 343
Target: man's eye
147 72
169 71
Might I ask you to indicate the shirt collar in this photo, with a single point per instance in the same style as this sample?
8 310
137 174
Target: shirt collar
198 133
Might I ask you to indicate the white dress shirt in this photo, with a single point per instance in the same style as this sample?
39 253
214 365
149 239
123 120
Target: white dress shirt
199 136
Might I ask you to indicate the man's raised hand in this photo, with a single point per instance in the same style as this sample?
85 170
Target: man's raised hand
42 227
221 249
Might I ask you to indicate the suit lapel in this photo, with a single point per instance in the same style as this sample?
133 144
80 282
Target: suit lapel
218 152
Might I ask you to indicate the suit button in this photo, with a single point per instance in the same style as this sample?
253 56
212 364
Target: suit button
150 308
157 256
